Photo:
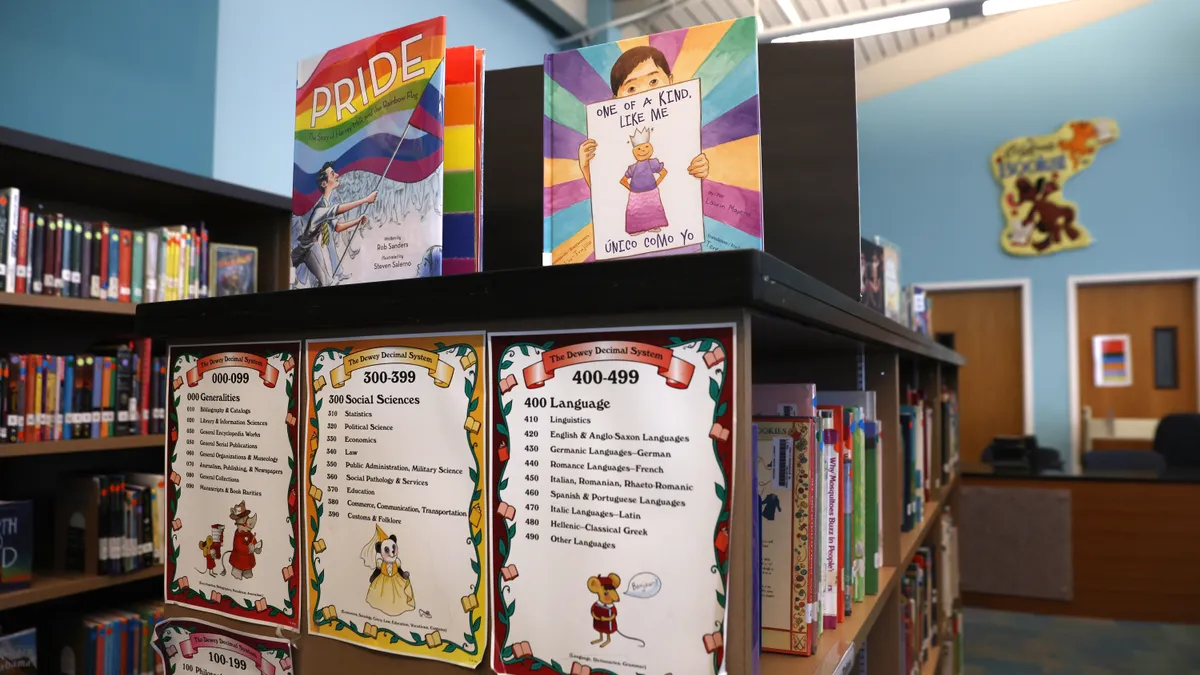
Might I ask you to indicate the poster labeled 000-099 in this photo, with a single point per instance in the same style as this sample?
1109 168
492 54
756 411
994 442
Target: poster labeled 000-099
232 492
396 534
611 490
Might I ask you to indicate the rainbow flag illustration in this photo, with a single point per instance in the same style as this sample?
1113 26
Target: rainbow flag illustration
651 145
367 171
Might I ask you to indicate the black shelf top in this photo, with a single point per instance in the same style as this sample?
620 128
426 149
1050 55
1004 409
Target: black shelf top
744 279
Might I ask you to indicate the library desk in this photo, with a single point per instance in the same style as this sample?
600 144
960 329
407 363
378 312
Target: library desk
1134 542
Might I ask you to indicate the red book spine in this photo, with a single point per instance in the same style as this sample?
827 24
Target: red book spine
144 359
104 261
126 269
22 243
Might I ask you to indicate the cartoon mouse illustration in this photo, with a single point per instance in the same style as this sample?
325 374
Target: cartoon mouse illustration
210 548
604 610
1052 219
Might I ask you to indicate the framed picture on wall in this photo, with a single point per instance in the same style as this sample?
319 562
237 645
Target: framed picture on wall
233 270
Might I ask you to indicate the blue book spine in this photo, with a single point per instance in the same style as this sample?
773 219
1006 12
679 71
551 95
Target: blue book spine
66 398
88 658
114 265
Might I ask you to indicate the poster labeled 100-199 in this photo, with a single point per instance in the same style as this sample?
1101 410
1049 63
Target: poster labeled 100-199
611 491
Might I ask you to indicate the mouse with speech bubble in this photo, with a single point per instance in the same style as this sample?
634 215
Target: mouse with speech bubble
604 611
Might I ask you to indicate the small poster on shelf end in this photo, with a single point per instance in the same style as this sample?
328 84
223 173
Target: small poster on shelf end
232 501
189 645
611 488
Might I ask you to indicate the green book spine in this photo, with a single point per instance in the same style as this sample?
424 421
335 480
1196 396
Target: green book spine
871 517
137 282
860 507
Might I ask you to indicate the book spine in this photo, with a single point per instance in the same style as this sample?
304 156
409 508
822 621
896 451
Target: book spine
22 250
100 261
151 272
163 392
22 399
4 403
145 366
114 264
85 263
54 396
39 254
126 271
77 252
97 396
138 267
53 269
108 414
126 398
203 261
67 398
67 234
10 215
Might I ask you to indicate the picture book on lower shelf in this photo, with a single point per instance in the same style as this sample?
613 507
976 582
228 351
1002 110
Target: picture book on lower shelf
651 144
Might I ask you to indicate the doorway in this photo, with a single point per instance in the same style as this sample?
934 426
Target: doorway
1158 313
988 322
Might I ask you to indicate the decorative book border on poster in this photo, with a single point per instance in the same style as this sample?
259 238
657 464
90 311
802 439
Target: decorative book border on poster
270 363
711 350
442 360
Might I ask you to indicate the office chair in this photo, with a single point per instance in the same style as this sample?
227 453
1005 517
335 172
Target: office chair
1177 439
1124 460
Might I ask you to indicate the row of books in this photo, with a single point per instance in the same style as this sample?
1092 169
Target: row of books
820 480
46 397
111 523
929 603
819 486
882 291
109 642
44 253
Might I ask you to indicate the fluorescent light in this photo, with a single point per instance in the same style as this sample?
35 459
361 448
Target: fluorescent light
991 7
879 26
789 10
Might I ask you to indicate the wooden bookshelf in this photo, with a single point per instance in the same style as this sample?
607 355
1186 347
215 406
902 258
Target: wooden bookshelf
52 585
58 304
82 445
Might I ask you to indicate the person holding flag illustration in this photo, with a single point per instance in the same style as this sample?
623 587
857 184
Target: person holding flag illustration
320 225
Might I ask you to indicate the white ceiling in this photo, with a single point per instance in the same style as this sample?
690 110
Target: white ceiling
869 50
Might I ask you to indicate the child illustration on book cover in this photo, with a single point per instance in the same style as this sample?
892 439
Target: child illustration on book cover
367 175
686 103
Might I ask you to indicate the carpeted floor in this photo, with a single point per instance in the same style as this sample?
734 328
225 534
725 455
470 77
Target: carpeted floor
1005 643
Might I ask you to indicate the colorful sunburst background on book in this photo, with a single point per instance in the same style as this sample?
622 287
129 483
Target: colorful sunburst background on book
724 57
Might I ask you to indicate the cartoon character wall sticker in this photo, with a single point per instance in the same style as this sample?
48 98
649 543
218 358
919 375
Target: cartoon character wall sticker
240 559
389 589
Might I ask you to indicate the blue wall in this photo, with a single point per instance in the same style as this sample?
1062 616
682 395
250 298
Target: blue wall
130 77
261 42
926 184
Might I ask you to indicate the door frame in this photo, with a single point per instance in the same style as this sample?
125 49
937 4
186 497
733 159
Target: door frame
1025 285
1074 281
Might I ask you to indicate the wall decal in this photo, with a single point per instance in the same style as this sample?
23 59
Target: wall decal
1032 172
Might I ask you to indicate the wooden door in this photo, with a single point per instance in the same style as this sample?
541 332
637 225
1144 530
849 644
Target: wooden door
986 328
1136 309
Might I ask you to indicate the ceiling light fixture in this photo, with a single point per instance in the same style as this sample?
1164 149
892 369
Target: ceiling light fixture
877 27
789 10
992 7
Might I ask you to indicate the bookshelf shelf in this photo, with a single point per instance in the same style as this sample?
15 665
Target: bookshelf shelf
51 585
82 445
58 304
930 667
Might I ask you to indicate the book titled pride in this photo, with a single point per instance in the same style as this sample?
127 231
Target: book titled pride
651 145
386 171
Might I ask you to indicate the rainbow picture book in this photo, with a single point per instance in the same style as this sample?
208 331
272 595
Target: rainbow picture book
462 220
368 166
651 145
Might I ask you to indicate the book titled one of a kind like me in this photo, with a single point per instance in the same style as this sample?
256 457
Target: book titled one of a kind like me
651 145
386 165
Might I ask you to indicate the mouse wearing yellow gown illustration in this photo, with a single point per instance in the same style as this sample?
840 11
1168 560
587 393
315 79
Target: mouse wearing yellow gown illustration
390 590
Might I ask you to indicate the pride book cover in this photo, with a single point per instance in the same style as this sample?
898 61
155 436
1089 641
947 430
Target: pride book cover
367 172
651 145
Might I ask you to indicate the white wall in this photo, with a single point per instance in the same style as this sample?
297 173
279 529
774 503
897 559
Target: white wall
260 41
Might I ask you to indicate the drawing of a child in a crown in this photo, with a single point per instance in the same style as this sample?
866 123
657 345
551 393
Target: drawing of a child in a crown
645 212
